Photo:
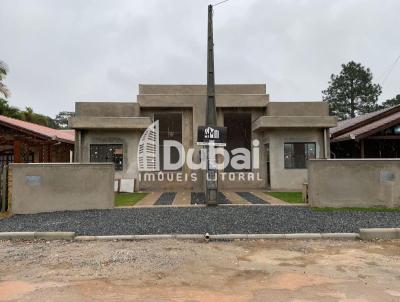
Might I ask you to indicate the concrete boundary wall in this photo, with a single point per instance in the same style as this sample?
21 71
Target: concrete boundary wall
354 183
61 187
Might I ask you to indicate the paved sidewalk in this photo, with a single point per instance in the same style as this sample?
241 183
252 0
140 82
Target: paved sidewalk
235 198
182 199
150 199
186 198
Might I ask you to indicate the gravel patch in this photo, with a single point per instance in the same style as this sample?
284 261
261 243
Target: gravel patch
199 198
251 198
166 198
200 220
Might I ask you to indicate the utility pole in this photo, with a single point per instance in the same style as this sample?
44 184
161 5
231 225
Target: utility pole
211 183
211 117
211 136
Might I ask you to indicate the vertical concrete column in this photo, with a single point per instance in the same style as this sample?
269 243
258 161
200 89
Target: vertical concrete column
77 147
326 143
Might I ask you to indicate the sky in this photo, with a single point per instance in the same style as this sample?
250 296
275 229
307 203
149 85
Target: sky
62 51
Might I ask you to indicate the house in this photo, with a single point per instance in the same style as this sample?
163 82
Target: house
279 136
24 142
373 135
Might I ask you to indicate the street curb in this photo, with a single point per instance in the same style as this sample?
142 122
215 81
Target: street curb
17 235
364 234
124 237
37 235
224 237
380 233
55 235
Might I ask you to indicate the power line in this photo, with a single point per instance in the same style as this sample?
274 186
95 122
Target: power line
218 3
387 73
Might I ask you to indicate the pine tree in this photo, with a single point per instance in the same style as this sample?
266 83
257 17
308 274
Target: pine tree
352 92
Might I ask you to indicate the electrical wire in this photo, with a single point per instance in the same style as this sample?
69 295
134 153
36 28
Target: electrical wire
387 73
218 3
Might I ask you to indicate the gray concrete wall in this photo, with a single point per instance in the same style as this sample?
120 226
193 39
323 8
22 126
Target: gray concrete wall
40 188
107 109
298 109
129 140
222 100
290 179
202 89
354 183
265 122
90 122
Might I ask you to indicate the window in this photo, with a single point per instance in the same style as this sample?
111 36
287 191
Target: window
170 128
6 158
107 154
296 154
238 134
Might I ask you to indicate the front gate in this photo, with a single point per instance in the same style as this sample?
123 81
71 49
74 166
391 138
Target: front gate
3 188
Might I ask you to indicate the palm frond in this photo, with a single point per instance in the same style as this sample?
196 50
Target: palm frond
4 90
3 69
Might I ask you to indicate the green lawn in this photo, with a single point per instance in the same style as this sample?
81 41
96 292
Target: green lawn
290 197
128 199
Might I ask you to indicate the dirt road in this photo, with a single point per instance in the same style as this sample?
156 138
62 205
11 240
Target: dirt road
345 271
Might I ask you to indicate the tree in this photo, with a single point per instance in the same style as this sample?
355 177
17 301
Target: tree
61 119
28 114
352 92
3 72
391 102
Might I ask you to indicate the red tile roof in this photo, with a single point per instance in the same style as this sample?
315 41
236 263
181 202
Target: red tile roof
67 136
365 125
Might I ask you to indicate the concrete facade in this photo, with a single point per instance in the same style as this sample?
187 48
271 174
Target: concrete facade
354 183
124 123
290 179
61 187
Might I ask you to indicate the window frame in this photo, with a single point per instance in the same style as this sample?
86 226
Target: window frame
306 157
116 167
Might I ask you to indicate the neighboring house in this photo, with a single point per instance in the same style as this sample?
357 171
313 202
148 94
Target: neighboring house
289 133
24 142
373 135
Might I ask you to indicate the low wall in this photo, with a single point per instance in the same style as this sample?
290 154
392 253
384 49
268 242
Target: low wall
354 183
61 187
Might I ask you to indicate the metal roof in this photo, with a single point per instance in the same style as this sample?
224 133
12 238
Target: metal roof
365 125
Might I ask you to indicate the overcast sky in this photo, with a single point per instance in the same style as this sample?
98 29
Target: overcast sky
63 51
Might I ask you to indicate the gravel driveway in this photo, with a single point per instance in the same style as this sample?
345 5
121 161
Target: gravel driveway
199 220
